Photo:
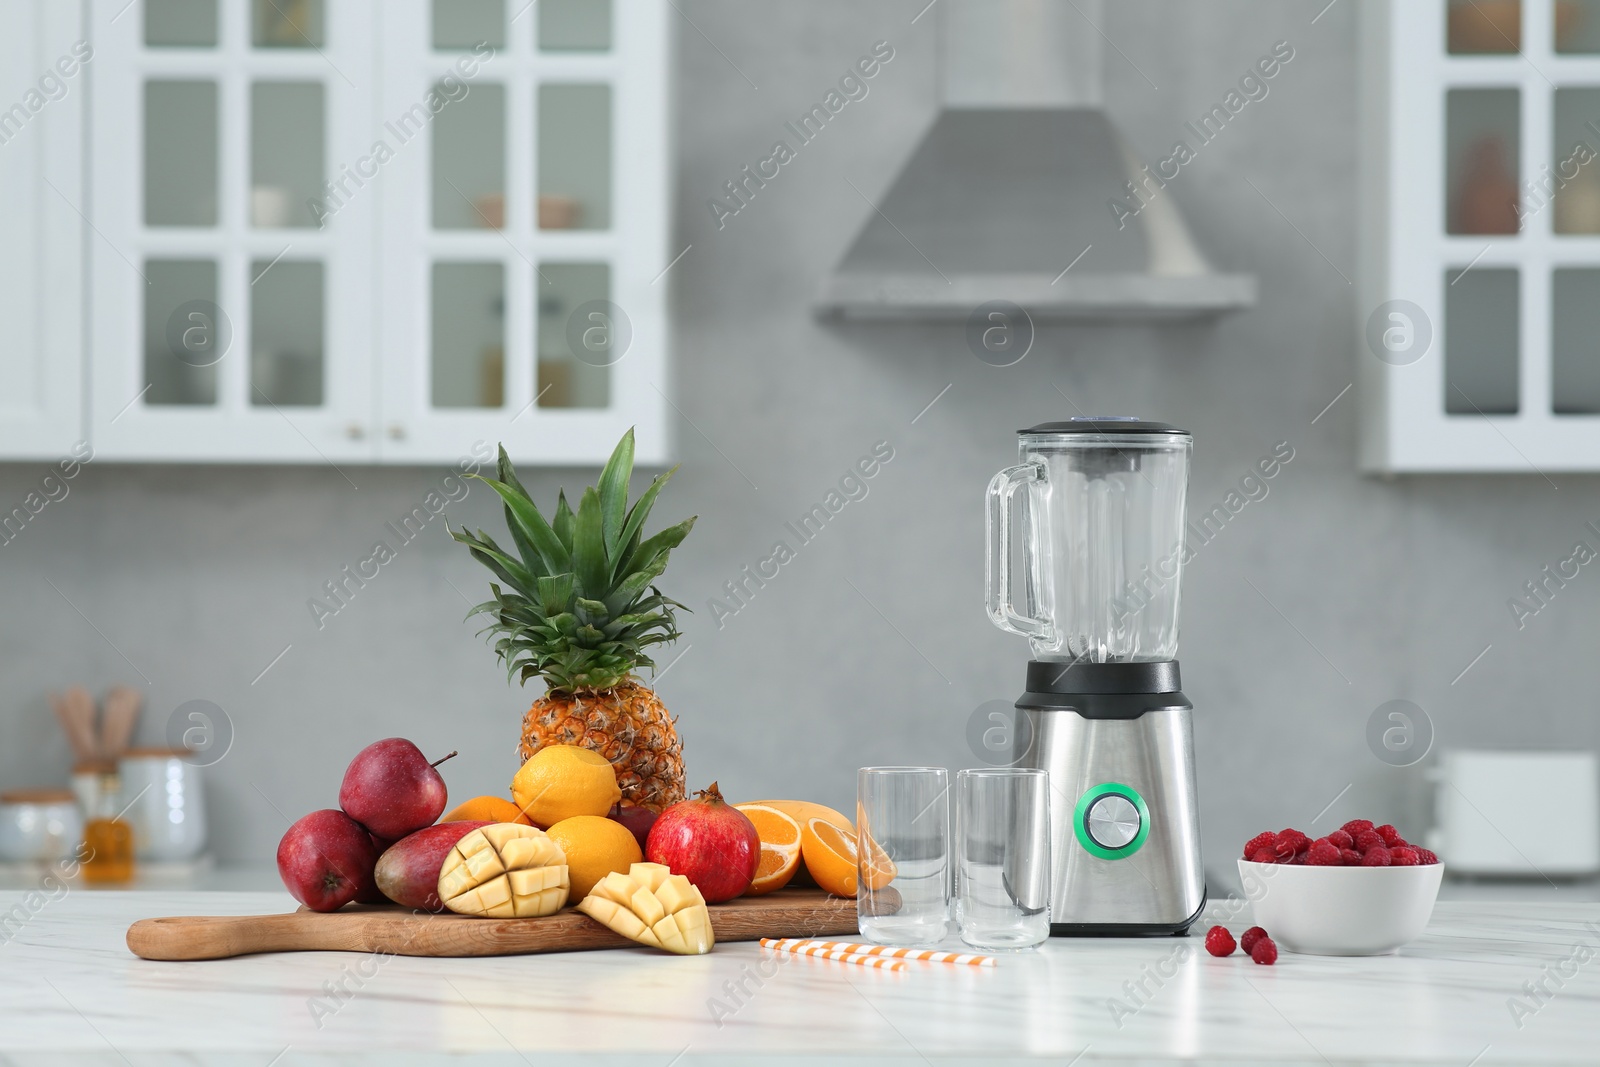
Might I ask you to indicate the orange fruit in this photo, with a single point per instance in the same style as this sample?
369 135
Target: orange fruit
594 846
780 847
805 810
829 850
830 854
485 809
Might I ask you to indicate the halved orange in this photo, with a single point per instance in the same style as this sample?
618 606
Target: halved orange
803 810
830 854
780 847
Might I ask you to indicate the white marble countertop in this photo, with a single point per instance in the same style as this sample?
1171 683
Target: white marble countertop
71 992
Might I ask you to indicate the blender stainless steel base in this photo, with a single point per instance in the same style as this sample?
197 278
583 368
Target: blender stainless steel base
1117 740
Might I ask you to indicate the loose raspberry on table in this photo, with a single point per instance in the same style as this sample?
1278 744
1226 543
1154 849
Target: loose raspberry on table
1248 939
1324 854
1264 951
1219 942
1351 857
1391 836
1403 856
1425 856
1369 839
1355 826
1290 843
1264 855
1342 839
1377 857
1262 840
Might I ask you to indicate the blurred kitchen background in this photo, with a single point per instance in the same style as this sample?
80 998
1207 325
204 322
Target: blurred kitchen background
1378 564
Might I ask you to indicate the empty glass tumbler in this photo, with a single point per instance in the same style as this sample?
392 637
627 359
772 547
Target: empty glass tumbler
1003 857
903 854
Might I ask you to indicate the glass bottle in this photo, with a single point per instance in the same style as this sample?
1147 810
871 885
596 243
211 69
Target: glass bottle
107 837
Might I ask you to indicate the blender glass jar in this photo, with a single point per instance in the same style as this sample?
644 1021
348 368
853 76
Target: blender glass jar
1103 539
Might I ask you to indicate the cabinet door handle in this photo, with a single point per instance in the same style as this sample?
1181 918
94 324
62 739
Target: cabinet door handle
355 431
397 431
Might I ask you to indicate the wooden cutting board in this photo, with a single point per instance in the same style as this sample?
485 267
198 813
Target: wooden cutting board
391 929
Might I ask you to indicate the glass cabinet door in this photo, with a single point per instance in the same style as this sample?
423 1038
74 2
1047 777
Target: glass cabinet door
235 232
305 255
527 255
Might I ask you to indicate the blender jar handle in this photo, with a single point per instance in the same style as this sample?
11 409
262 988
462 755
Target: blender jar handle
997 573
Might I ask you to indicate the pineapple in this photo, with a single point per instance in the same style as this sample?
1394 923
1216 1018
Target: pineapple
578 609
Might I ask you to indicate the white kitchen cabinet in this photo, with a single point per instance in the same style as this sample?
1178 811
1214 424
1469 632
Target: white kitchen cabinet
521 246
43 83
346 230
1479 289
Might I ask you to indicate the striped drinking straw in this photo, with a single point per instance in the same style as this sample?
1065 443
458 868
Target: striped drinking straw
806 947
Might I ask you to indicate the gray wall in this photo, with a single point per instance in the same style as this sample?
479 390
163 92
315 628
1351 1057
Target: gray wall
1334 594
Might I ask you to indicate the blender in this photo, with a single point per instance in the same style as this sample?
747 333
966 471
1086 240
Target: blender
1102 556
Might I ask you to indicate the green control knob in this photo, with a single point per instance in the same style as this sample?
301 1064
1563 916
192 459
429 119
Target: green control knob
1111 821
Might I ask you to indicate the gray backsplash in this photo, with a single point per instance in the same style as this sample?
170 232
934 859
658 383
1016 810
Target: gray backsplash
1316 603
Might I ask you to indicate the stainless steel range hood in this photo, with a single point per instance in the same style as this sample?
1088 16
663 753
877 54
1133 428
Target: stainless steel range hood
1010 194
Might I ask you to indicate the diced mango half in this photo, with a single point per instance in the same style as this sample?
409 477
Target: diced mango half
654 907
505 871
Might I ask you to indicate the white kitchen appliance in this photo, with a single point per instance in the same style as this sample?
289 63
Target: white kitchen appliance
1517 814
1103 550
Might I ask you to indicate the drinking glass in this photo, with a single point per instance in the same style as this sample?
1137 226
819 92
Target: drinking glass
903 854
1003 857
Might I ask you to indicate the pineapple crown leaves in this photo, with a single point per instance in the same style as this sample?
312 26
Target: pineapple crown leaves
576 602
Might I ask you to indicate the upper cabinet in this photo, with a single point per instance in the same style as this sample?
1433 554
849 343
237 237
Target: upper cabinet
1479 331
329 230
44 75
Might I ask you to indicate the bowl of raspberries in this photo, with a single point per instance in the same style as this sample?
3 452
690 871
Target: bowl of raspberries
1362 890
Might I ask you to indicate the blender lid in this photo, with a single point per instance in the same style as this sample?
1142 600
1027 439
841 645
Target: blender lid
1104 424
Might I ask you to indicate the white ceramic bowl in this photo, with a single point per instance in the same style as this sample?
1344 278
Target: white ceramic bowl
1341 911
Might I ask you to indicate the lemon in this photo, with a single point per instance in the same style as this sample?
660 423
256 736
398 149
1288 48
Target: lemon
595 847
561 781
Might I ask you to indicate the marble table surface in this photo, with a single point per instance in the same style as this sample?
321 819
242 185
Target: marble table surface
70 992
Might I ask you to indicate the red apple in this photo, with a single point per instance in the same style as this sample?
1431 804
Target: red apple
637 820
326 860
408 871
709 842
392 789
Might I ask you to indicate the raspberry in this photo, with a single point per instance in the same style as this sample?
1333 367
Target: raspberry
1291 843
1262 840
1391 836
1250 937
1342 839
1351 857
1219 942
1264 855
1425 856
1403 856
1324 854
1377 857
1367 840
1265 952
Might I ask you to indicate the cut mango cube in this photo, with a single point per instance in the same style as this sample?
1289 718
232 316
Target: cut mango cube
505 871
654 907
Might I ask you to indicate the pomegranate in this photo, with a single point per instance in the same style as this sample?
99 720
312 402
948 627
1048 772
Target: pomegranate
709 842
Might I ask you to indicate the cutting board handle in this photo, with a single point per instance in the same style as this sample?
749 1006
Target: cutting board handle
204 937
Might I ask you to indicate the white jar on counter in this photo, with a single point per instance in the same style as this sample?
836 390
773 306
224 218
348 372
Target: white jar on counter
39 826
166 804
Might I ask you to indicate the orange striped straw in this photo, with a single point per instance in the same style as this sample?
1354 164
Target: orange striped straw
876 962
791 944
